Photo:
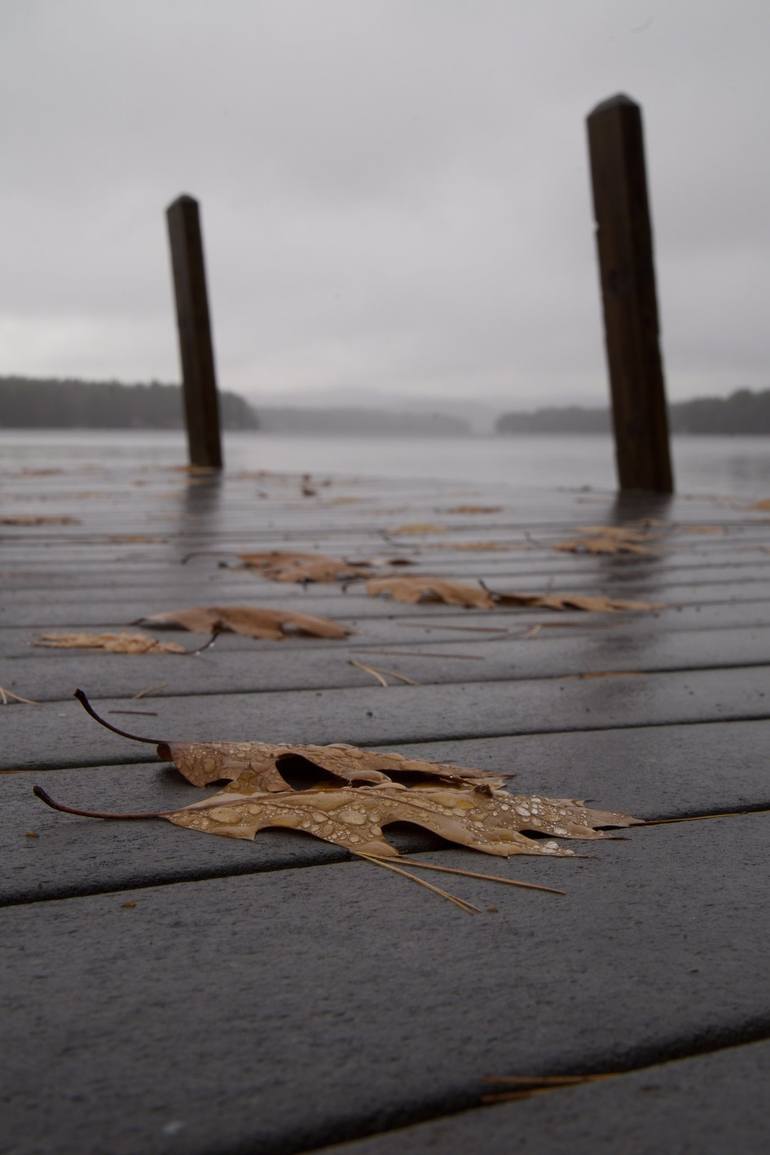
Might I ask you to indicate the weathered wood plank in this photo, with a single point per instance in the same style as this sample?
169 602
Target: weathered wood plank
680 1104
59 734
196 1018
299 665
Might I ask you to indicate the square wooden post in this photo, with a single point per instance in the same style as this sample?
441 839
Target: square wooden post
196 347
627 273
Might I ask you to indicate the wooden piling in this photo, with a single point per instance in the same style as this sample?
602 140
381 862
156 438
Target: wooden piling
627 274
196 347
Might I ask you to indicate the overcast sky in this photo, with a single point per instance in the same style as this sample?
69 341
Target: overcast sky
395 193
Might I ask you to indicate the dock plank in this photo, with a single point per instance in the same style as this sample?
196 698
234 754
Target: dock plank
238 1040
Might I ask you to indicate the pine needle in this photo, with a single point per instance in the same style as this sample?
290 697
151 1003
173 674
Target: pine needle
477 874
7 696
382 675
369 670
704 817
468 907
148 690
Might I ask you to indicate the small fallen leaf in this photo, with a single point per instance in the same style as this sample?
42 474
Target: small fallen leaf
591 603
419 588
34 519
204 762
287 566
122 643
480 546
416 527
475 509
608 539
130 905
764 504
249 621
134 539
31 834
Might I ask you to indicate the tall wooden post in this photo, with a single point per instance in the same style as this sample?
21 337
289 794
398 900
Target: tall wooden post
195 344
627 272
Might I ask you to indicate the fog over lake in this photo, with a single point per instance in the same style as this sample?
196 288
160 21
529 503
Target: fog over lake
718 465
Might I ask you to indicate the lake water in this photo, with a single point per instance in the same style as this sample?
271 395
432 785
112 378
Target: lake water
718 465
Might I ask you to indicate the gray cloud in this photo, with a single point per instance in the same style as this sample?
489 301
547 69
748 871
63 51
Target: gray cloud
395 193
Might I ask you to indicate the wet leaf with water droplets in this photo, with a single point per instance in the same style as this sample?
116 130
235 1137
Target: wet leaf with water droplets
486 818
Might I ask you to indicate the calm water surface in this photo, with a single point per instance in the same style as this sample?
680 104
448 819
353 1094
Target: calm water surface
723 465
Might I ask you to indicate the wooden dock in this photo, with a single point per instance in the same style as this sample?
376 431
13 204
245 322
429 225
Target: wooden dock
171 992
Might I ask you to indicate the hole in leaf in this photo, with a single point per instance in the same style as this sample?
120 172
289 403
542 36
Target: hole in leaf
302 774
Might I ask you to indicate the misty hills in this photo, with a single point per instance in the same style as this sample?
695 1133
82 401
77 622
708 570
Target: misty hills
58 403
347 419
743 412
55 403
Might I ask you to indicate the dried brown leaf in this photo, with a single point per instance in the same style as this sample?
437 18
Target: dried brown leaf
591 603
419 588
608 539
262 764
481 546
122 643
288 566
38 519
250 621
475 509
416 527
764 504
485 819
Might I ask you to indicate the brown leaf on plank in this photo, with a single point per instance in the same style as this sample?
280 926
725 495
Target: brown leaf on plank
484 819
269 768
414 589
480 546
416 527
475 509
121 643
764 504
289 566
608 539
35 519
418 588
590 603
247 620
204 762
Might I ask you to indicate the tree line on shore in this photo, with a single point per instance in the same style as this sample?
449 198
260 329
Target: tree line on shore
68 403
744 411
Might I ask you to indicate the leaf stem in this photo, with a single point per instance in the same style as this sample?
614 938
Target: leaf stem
82 697
44 796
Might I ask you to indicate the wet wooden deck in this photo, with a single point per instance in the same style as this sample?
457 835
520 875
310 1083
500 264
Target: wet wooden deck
170 992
